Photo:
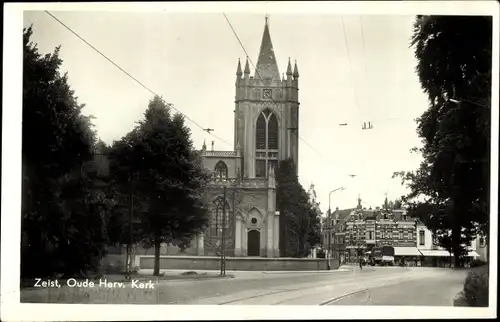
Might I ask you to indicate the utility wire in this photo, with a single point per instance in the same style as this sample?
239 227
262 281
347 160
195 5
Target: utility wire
350 66
132 77
364 51
259 76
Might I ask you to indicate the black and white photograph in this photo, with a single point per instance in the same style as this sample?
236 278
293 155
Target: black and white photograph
189 156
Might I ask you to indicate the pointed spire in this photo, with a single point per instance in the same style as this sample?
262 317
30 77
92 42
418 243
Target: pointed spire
238 70
283 77
247 67
289 68
267 67
295 71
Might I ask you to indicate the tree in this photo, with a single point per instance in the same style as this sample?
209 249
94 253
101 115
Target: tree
158 162
454 68
314 235
63 229
397 204
299 222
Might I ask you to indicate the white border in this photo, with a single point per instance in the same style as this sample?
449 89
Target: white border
11 170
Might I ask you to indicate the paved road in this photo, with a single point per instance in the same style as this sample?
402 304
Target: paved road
371 286
376 286
437 290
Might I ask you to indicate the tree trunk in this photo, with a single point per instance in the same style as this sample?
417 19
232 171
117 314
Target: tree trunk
456 243
157 244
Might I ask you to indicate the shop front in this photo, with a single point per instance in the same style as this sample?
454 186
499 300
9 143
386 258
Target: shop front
436 258
407 256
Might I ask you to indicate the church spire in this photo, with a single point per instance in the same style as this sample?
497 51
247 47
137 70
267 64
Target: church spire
267 68
295 71
247 68
238 70
289 68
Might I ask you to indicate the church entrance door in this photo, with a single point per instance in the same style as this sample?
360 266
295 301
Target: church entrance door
253 243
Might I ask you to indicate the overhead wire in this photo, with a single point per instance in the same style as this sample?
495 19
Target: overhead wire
364 51
350 66
132 77
260 78
154 93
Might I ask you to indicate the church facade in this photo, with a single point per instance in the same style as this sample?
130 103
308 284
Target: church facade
242 193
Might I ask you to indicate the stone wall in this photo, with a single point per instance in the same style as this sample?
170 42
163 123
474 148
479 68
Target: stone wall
238 263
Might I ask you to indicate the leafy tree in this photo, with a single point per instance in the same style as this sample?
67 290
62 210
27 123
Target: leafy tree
454 67
314 235
299 220
397 204
158 160
63 229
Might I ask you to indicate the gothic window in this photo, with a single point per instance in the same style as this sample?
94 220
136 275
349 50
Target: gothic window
221 170
218 220
266 143
260 168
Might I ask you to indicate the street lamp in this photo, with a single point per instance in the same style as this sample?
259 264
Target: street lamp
329 225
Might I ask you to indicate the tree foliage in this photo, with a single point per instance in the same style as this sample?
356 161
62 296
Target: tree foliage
157 164
299 215
450 190
62 208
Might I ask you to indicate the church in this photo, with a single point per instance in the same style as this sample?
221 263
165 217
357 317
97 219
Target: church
265 132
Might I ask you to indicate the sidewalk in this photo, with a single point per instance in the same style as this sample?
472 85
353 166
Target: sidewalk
201 273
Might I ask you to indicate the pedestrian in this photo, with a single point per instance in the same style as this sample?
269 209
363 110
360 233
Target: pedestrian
361 264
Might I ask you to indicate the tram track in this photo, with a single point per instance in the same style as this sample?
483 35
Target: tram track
316 286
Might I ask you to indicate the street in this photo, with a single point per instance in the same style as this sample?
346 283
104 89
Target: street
371 286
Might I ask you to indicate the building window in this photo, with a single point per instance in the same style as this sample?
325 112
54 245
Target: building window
410 236
482 242
421 237
260 168
218 220
266 143
221 170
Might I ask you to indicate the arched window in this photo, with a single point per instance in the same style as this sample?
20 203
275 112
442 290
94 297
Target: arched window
221 170
266 143
219 219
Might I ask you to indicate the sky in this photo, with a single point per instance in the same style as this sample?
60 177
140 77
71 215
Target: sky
353 69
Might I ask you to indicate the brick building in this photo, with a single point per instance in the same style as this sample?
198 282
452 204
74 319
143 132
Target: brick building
364 229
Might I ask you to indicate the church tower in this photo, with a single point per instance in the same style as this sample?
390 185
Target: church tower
266 112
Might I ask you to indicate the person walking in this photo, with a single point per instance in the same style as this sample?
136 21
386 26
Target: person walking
361 264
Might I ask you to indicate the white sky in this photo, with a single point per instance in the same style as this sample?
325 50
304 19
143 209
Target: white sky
190 59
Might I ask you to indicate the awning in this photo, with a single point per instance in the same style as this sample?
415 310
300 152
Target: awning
472 254
435 253
406 251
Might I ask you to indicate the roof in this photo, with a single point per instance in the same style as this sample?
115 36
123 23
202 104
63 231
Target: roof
267 66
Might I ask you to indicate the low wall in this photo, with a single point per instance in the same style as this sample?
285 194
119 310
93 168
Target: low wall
238 263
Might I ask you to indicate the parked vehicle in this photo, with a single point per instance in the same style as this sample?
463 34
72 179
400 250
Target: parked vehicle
383 256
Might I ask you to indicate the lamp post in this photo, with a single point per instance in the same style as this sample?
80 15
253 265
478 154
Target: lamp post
329 225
